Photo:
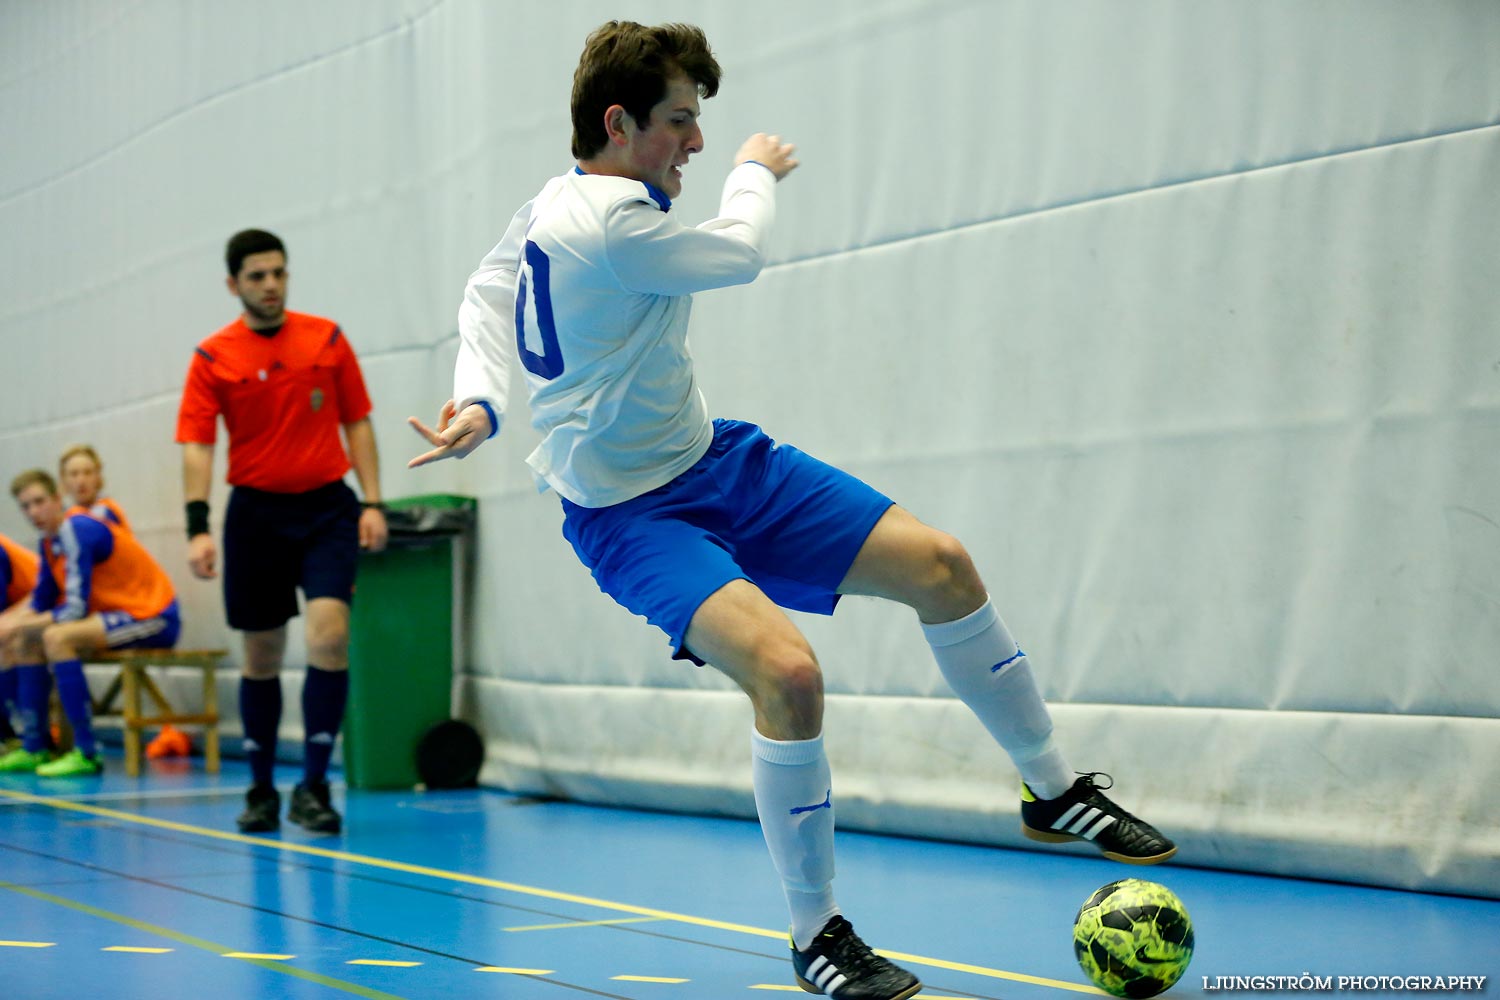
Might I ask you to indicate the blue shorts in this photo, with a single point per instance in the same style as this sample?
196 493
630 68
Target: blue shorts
125 631
750 509
275 543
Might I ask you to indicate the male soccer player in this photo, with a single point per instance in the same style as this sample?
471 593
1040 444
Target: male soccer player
18 567
287 385
82 475
705 526
97 588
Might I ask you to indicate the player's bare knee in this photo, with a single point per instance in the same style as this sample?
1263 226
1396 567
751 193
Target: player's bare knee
57 644
789 685
25 646
952 586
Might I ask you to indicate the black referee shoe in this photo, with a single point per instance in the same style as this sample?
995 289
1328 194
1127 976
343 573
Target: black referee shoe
312 809
838 964
1084 812
262 810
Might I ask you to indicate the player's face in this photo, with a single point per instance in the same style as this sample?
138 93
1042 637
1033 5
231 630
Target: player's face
261 286
42 509
81 479
658 152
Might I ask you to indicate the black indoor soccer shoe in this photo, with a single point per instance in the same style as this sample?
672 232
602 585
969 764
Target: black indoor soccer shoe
312 810
838 964
1084 812
262 810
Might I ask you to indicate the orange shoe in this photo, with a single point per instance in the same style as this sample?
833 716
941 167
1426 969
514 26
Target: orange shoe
170 742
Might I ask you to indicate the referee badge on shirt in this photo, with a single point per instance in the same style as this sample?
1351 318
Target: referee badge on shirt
317 400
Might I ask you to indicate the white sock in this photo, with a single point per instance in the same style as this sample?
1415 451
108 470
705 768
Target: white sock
990 674
794 797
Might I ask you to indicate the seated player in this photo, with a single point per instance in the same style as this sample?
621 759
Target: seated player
18 568
97 588
82 475
81 472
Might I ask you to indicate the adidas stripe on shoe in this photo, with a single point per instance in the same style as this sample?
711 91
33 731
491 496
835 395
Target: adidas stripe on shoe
1084 812
840 965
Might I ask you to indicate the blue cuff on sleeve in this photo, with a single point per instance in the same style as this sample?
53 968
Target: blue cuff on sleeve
489 411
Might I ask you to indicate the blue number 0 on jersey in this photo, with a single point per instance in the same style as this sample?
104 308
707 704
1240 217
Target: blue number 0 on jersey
534 301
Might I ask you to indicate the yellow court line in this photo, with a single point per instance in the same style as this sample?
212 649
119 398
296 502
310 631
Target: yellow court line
581 923
209 946
383 962
137 951
258 955
28 944
385 864
979 970
514 972
648 979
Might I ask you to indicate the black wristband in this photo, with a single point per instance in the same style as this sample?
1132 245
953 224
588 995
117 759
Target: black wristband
378 505
197 518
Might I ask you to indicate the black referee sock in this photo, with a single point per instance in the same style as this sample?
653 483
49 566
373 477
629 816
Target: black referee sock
324 693
260 714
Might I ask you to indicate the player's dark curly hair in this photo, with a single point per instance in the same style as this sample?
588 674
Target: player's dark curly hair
629 64
246 242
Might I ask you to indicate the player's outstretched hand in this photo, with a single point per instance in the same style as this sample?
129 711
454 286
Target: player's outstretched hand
456 434
770 152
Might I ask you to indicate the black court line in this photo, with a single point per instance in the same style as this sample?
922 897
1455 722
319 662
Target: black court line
142 880
270 854
380 863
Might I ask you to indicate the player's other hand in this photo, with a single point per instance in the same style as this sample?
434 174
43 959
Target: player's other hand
769 151
202 555
456 435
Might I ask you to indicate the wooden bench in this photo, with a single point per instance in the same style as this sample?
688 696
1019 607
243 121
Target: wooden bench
133 678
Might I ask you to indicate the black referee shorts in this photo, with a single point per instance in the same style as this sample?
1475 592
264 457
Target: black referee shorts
275 543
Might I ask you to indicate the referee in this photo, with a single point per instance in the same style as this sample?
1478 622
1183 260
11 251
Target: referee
285 383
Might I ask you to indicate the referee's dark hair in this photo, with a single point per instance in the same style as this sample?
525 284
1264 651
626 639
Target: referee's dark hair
246 242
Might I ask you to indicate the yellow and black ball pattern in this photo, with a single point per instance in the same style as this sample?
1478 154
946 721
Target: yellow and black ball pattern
1133 938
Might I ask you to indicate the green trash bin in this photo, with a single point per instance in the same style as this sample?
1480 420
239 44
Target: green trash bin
402 638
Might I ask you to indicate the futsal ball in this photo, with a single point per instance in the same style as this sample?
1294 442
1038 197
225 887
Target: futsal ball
1133 938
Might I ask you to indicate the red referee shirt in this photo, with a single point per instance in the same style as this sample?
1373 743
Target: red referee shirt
283 399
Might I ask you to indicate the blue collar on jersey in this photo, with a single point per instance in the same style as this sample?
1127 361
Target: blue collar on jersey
657 194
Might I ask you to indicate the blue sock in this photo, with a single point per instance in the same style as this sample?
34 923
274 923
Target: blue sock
33 688
7 703
260 715
73 692
324 693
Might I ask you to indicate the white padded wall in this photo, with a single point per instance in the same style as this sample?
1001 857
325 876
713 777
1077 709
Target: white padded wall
1179 314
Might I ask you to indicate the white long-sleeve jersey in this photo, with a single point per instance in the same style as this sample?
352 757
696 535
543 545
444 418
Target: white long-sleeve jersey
592 286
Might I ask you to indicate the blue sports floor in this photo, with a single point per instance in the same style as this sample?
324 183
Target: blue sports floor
140 889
